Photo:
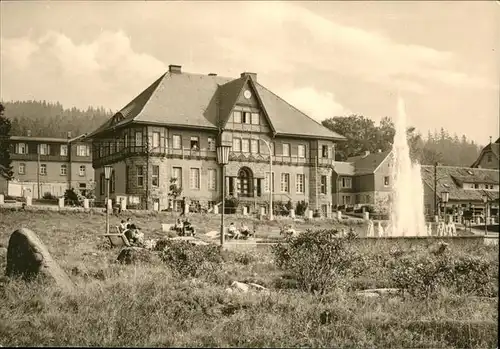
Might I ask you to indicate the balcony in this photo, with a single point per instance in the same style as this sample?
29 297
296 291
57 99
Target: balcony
34 157
279 159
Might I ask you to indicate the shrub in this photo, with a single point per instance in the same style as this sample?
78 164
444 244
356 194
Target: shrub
422 275
48 195
231 204
301 207
318 260
189 260
73 197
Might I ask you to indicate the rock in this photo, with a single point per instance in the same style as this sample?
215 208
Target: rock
28 258
213 234
240 286
134 255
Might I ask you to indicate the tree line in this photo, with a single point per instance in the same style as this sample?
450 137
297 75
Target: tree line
364 135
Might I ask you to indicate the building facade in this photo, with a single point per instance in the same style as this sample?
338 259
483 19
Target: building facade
171 130
489 156
48 165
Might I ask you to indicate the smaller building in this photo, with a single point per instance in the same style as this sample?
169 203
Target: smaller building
48 165
489 156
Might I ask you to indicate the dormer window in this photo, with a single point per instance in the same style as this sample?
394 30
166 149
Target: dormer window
195 143
255 118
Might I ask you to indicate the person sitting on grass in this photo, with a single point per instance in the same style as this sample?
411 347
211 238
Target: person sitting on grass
245 232
179 226
123 226
232 232
188 228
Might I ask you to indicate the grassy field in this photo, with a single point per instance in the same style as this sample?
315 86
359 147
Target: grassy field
152 305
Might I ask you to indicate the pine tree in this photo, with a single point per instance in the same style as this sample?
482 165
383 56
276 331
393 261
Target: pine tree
5 160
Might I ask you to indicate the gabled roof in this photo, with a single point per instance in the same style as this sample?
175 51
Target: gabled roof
450 179
205 101
492 147
367 164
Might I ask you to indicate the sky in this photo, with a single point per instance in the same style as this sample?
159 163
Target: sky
326 58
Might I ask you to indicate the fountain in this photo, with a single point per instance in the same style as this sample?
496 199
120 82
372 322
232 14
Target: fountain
407 207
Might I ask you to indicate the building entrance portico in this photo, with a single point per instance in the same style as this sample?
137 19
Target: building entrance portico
244 184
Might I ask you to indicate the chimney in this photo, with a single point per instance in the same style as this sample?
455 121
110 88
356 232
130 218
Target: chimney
212 74
69 134
28 133
252 75
175 69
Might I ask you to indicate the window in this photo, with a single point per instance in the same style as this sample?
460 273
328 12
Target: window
43 149
285 183
125 139
63 170
236 144
245 182
273 148
64 150
286 149
386 181
490 159
43 169
194 178
324 151
155 178
237 117
211 144
302 151
138 138
176 142
245 145
266 182
324 184
82 150
195 143
21 169
212 179
299 183
177 173
156 140
476 186
102 184
82 171
140 176
255 118
346 182
246 117
82 185
254 146
367 198
346 199
21 148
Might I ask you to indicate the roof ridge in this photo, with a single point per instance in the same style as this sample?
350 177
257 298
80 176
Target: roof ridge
293 107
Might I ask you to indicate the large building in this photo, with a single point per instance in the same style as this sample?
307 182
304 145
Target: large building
48 165
171 130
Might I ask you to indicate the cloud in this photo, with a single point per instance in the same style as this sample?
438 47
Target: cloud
317 104
301 38
105 71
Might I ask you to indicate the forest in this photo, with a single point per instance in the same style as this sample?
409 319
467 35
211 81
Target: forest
53 120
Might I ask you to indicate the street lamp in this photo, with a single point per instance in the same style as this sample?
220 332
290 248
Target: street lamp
223 149
485 200
271 182
444 199
107 176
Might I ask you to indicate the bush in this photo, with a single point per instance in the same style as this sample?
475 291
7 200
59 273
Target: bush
422 275
301 207
318 260
231 205
49 196
73 197
189 260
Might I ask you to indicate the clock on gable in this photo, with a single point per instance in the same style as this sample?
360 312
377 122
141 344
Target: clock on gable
247 94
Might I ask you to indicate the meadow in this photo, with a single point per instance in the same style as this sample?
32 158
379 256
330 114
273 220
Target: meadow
312 298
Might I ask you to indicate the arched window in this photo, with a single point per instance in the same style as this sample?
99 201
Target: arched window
245 182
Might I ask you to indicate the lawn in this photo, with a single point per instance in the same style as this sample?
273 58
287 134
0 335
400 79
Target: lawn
152 304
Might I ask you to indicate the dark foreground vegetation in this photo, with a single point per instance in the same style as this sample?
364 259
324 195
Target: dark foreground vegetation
447 297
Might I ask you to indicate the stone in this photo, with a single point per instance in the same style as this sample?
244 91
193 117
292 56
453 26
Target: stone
123 205
28 201
2 199
60 202
86 204
309 214
135 255
240 286
216 209
110 205
27 257
213 234
292 213
339 215
366 215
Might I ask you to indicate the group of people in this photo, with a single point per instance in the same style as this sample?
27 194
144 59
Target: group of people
184 228
132 232
242 233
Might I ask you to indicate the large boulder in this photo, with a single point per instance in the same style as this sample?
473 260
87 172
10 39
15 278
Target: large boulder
27 257
136 255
